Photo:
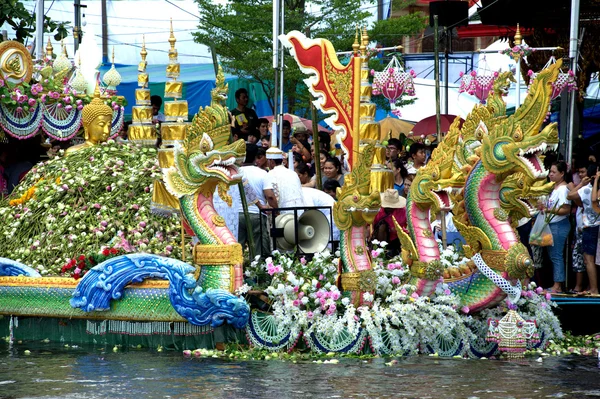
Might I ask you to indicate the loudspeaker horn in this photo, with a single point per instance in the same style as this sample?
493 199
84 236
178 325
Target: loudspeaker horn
313 231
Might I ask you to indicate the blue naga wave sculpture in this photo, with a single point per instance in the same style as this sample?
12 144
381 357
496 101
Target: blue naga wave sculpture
10 267
107 281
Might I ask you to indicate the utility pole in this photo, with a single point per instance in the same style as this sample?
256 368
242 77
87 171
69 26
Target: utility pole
104 33
39 30
77 34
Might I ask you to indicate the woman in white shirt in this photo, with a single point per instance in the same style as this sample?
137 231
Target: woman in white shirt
559 208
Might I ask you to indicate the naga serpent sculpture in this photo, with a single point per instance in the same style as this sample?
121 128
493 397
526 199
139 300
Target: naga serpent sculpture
354 210
512 146
204 163
491 148
429 194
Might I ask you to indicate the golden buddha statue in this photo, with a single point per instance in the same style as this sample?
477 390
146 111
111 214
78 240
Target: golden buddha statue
97 119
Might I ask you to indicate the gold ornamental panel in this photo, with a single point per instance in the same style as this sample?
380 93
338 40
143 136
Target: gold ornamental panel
16 65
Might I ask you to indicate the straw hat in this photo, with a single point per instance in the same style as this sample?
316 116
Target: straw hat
391 199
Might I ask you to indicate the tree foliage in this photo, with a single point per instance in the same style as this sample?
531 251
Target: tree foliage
240 32
22 21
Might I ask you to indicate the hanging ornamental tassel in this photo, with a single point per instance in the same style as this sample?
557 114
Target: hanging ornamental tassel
393 82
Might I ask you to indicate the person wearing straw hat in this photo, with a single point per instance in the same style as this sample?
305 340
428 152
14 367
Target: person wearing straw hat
392 206
282 187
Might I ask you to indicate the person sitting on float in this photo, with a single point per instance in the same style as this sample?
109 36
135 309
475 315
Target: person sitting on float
392 206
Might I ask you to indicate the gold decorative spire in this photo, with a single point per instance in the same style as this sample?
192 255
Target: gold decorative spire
363 43
172 40
356 44
64 48
49 50
144 53
518 37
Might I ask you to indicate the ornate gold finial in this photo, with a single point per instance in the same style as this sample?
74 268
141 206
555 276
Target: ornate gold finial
518 37
113 56
64 48
97 91
363 45
172 40
49 50
143 53
356 44
365 36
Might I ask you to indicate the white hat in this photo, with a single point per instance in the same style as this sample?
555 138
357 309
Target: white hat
391 199
274 153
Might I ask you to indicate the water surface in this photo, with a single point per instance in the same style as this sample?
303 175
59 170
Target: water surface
53 371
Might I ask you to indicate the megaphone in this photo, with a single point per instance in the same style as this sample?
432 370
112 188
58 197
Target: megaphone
313 231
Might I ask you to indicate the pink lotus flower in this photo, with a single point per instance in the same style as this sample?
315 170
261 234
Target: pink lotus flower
31 102
395 280
68 108
310 315
296 303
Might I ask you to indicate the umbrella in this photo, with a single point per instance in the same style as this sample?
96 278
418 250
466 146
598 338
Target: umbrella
300 124
396 125
428 126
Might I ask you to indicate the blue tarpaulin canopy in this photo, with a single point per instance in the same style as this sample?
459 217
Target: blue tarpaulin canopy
198 80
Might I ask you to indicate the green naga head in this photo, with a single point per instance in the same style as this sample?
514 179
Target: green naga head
506 149
357 205
436 182
206 160
516 143
518 195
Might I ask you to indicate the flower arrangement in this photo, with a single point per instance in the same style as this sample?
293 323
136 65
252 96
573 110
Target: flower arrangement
536 305
78 267
306 300
45 89
518 51
477 85
563 81
95 198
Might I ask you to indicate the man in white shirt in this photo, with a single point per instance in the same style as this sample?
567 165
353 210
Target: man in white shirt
283 188
255 180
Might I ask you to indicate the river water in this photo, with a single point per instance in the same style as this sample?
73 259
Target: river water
52 371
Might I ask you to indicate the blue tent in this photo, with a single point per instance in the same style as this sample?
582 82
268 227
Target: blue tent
198 80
